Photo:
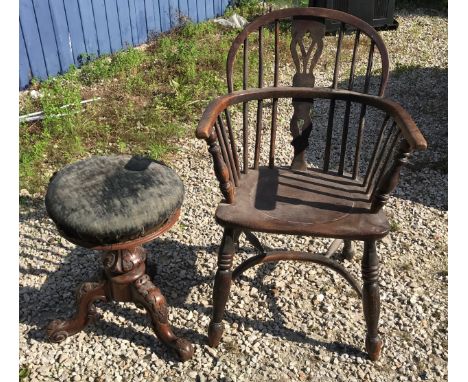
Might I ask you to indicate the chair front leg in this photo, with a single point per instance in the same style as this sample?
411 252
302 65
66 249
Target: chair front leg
371 298
222 285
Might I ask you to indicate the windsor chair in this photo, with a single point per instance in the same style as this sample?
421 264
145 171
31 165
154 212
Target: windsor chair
348 148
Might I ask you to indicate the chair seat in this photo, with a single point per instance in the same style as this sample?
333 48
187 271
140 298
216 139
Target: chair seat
304 203
108 200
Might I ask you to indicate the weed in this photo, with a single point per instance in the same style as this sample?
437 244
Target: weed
149 98
157 151
23 373
99 70
405 68
246 8
135 84
394 226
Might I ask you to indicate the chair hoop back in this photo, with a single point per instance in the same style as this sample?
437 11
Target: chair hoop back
307 23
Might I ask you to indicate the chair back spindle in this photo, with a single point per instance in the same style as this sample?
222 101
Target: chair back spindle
245 107
386 143
233 142
349 148
306 47
274 114
258 135
220 168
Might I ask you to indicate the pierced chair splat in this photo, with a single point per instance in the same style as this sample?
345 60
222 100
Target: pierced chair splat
348 149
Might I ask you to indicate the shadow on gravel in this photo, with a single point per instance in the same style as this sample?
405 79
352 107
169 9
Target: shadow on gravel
423 93
172 267
278 326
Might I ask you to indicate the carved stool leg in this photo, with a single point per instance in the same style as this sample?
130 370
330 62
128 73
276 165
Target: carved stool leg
147 294
87 294
371 298
348 249
124 280
222 286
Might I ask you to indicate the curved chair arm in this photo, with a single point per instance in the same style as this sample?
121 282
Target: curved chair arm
227 169
403 120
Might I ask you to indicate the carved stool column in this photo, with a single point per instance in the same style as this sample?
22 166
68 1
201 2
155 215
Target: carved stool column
115 205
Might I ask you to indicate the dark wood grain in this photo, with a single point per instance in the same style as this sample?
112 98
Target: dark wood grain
222 285
311 13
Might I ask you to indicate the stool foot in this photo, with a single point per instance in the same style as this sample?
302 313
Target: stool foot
87 294
145 293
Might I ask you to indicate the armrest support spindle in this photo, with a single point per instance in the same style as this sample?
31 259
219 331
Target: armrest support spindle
391 178
220 168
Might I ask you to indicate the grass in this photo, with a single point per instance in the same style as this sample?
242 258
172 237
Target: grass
23 373
149 98
394 226
401 68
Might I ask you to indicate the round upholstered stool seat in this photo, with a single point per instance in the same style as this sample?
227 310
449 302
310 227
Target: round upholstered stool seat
115 204
112 199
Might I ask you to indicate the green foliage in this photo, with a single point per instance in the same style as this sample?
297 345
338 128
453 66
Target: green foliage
157 151
23 373
405 68
61 100
149 98
394 226
121 64
253 8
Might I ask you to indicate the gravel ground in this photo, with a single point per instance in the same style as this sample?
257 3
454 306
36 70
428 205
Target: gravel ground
285 321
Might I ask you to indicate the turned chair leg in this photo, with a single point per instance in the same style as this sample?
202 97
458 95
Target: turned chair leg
371 299
87 294
222 285
348 249
145 293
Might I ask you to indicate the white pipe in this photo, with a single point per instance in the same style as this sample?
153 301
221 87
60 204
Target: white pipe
40 114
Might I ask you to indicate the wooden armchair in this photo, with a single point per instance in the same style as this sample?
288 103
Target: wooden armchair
348 149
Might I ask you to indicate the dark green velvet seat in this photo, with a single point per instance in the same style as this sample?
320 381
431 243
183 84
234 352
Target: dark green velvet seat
112 199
